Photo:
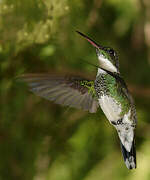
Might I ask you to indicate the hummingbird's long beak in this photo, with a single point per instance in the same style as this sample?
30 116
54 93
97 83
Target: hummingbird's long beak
91 41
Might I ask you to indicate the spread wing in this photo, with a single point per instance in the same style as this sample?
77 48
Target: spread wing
68 91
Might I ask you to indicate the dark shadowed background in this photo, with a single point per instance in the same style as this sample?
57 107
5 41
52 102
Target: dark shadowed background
43 141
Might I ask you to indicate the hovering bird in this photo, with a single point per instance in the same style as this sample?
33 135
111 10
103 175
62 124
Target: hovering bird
108 91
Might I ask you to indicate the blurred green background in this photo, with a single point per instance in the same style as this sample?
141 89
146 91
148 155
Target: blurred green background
43 141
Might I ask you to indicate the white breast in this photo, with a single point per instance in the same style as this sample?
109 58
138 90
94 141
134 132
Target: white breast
110 108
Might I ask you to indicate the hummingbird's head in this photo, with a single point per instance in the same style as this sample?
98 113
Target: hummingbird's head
107 57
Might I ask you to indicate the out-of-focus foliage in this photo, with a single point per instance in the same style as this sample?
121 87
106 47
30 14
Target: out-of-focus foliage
40 140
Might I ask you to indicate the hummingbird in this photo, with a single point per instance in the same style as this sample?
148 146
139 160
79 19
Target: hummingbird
108 91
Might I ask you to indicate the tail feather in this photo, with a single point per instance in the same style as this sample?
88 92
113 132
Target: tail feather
129 157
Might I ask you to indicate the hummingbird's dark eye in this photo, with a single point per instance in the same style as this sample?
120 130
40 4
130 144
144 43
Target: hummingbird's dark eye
111 51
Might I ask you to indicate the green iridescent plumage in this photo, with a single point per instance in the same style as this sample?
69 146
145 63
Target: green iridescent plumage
90 86
118 92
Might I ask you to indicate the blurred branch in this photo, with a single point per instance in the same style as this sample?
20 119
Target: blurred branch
140 91
146 10
93 15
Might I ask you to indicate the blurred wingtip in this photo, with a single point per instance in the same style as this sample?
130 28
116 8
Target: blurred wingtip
18 78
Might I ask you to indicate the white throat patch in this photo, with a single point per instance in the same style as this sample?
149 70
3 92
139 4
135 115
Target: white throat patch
106 64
